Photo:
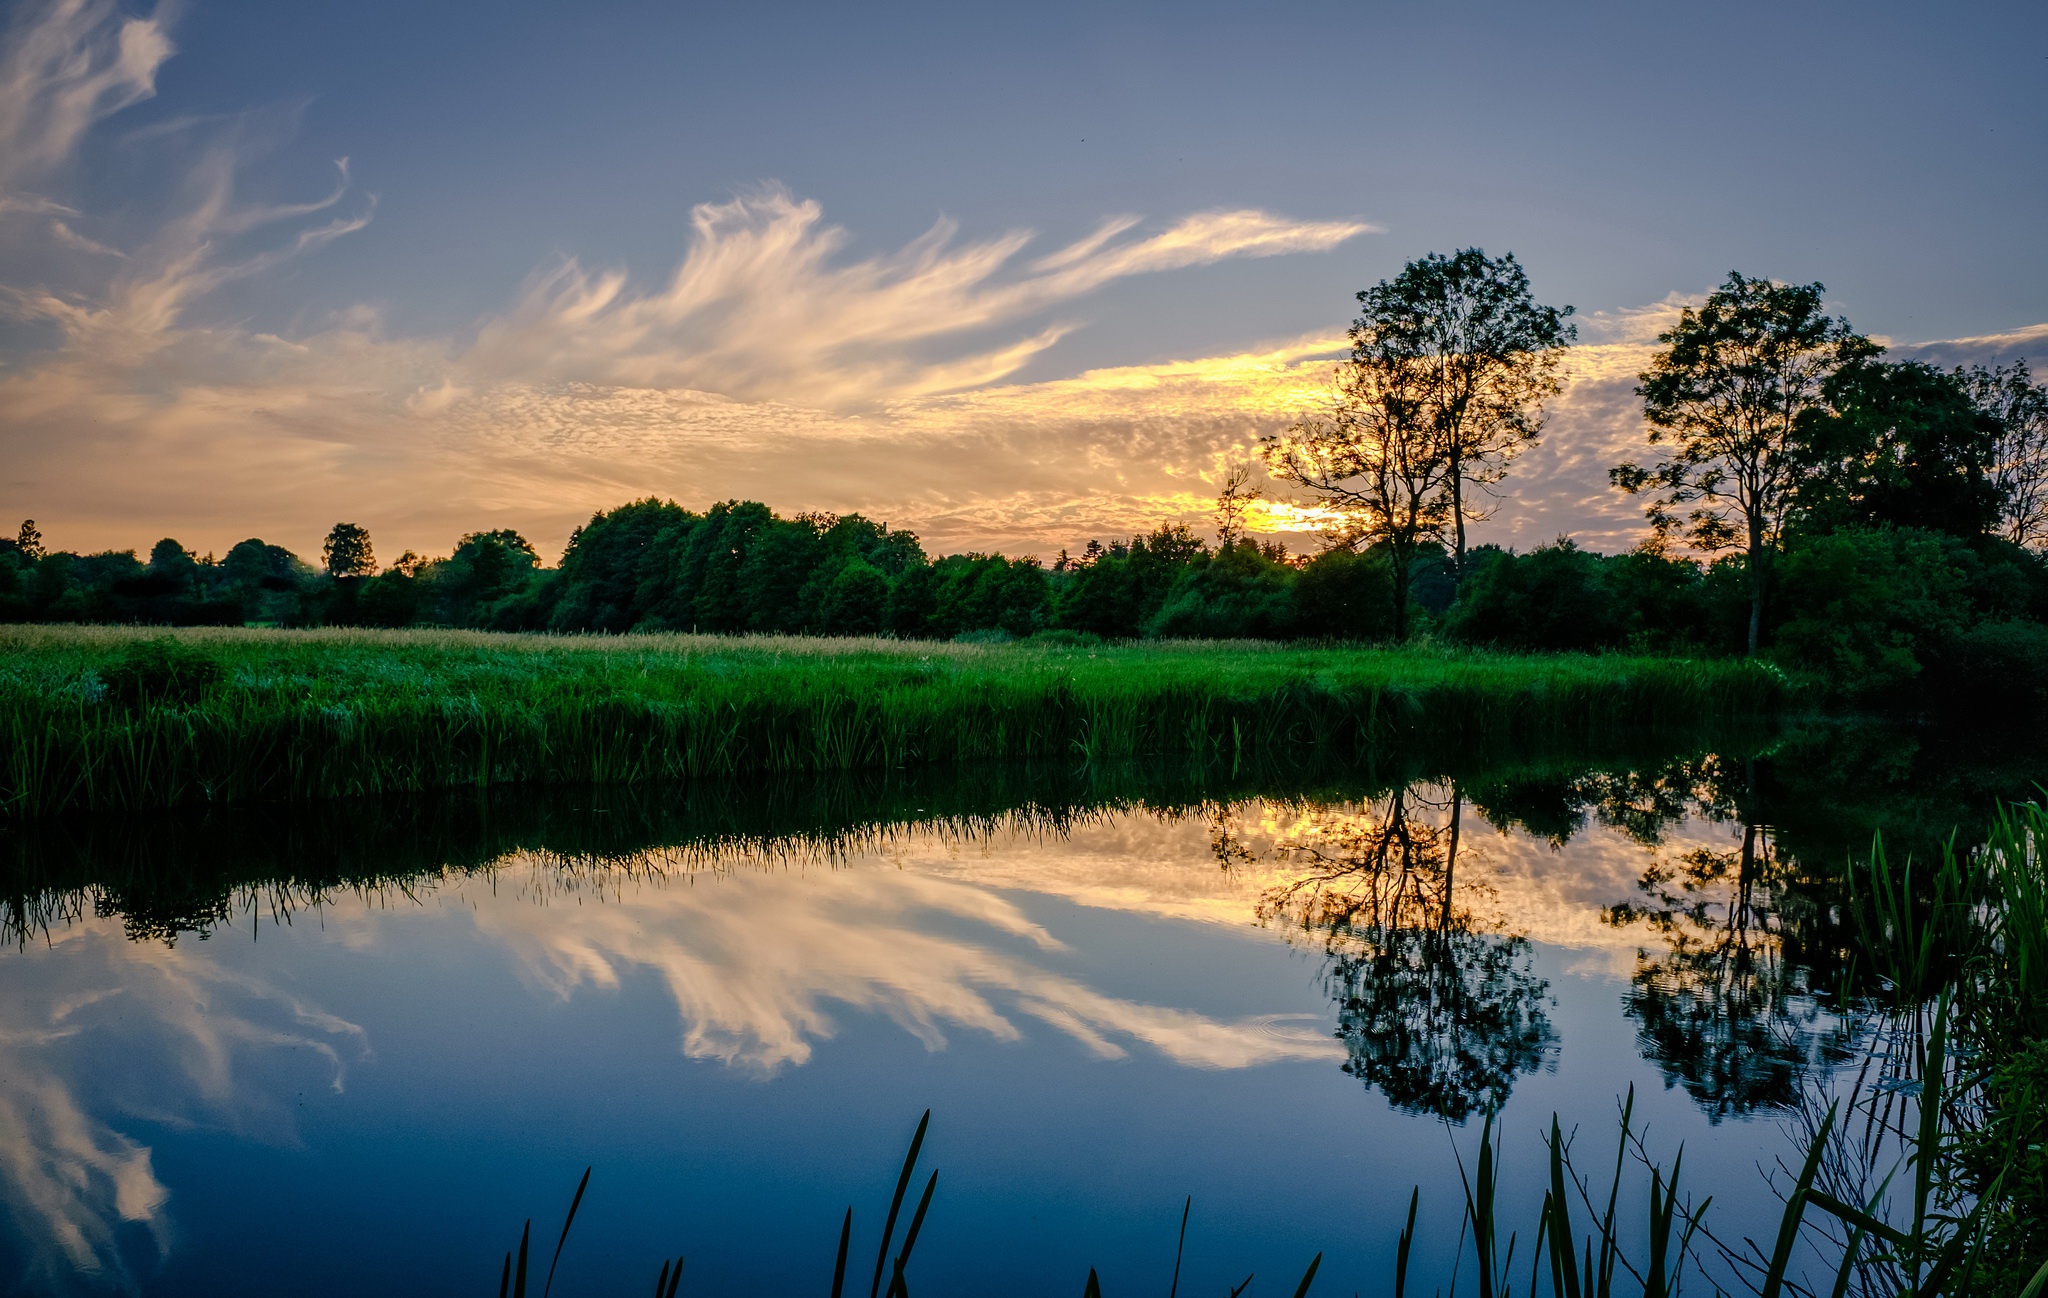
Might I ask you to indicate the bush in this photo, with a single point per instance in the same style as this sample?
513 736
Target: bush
1867 607
1238 594
1556 597
1343 595
161 673
1994 670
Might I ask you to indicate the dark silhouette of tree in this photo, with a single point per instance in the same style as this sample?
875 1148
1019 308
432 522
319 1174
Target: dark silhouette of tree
1436 1014
346 552
29 540
1730 391
1721 1011
2019 469
1899 445
1232 503
1374 458
1489 356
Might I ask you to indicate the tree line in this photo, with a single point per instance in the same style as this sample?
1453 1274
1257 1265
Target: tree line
1862 518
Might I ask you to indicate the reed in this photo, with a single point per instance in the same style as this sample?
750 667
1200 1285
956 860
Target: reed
106 719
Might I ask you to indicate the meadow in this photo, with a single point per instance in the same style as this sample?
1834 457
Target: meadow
103 718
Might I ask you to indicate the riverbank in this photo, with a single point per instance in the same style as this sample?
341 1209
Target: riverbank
100 718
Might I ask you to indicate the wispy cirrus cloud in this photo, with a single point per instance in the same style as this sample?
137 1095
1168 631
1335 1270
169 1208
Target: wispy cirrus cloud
63 70
763 307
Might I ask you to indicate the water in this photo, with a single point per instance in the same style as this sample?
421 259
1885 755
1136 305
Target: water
356 1048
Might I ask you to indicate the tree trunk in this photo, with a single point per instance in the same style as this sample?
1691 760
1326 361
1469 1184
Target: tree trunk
1451 857
1458 512
1756 585
1400 576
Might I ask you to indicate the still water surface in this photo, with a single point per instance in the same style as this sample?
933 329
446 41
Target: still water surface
359 1051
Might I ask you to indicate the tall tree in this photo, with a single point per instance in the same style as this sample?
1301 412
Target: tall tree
1900 445
1730 392
30 539
346 552
1372 458
1488 354
2019 469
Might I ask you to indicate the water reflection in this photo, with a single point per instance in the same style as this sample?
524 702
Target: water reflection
1439 1010
1703 895
82 1196
760 963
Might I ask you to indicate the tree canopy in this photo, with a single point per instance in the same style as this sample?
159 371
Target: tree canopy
1731 393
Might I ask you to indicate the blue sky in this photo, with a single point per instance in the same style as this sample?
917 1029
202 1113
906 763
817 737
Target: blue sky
437 350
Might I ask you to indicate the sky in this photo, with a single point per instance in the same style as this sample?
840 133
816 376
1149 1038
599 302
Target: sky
1012 277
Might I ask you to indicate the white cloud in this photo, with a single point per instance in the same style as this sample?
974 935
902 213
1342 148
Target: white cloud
762 308
71 1183
66 66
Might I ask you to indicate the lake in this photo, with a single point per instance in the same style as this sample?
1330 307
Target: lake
357 1046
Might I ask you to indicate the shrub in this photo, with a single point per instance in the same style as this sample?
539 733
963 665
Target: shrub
161 672
1866 607
1343 595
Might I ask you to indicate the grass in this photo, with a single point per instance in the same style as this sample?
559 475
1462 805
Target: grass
106 719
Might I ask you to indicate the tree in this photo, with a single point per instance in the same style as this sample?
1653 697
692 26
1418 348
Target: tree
346 552
1488 356
1232 504
1899 445
1730 391
1374 459
173 564
2020 459
29 540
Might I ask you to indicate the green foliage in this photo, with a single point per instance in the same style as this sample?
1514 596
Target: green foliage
1558 597
159 673
1866 607
1899 445
346 552
1236 593
1345 595
312 714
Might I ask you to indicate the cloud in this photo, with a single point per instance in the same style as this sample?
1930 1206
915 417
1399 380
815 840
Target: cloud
72 1186
66 66
757 960
763 308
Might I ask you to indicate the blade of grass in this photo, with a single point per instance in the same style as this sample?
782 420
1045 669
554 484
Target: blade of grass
839 1267
1795 1211
1309 1277
1403 1245
567 1222
896 1204
1181 1247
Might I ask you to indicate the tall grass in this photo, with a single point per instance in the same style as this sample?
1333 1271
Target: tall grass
98 719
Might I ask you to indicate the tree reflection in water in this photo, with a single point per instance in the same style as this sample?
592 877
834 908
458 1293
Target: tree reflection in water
1722 1009
1438 1011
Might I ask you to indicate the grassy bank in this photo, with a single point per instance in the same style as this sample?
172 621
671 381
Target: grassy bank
121 718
